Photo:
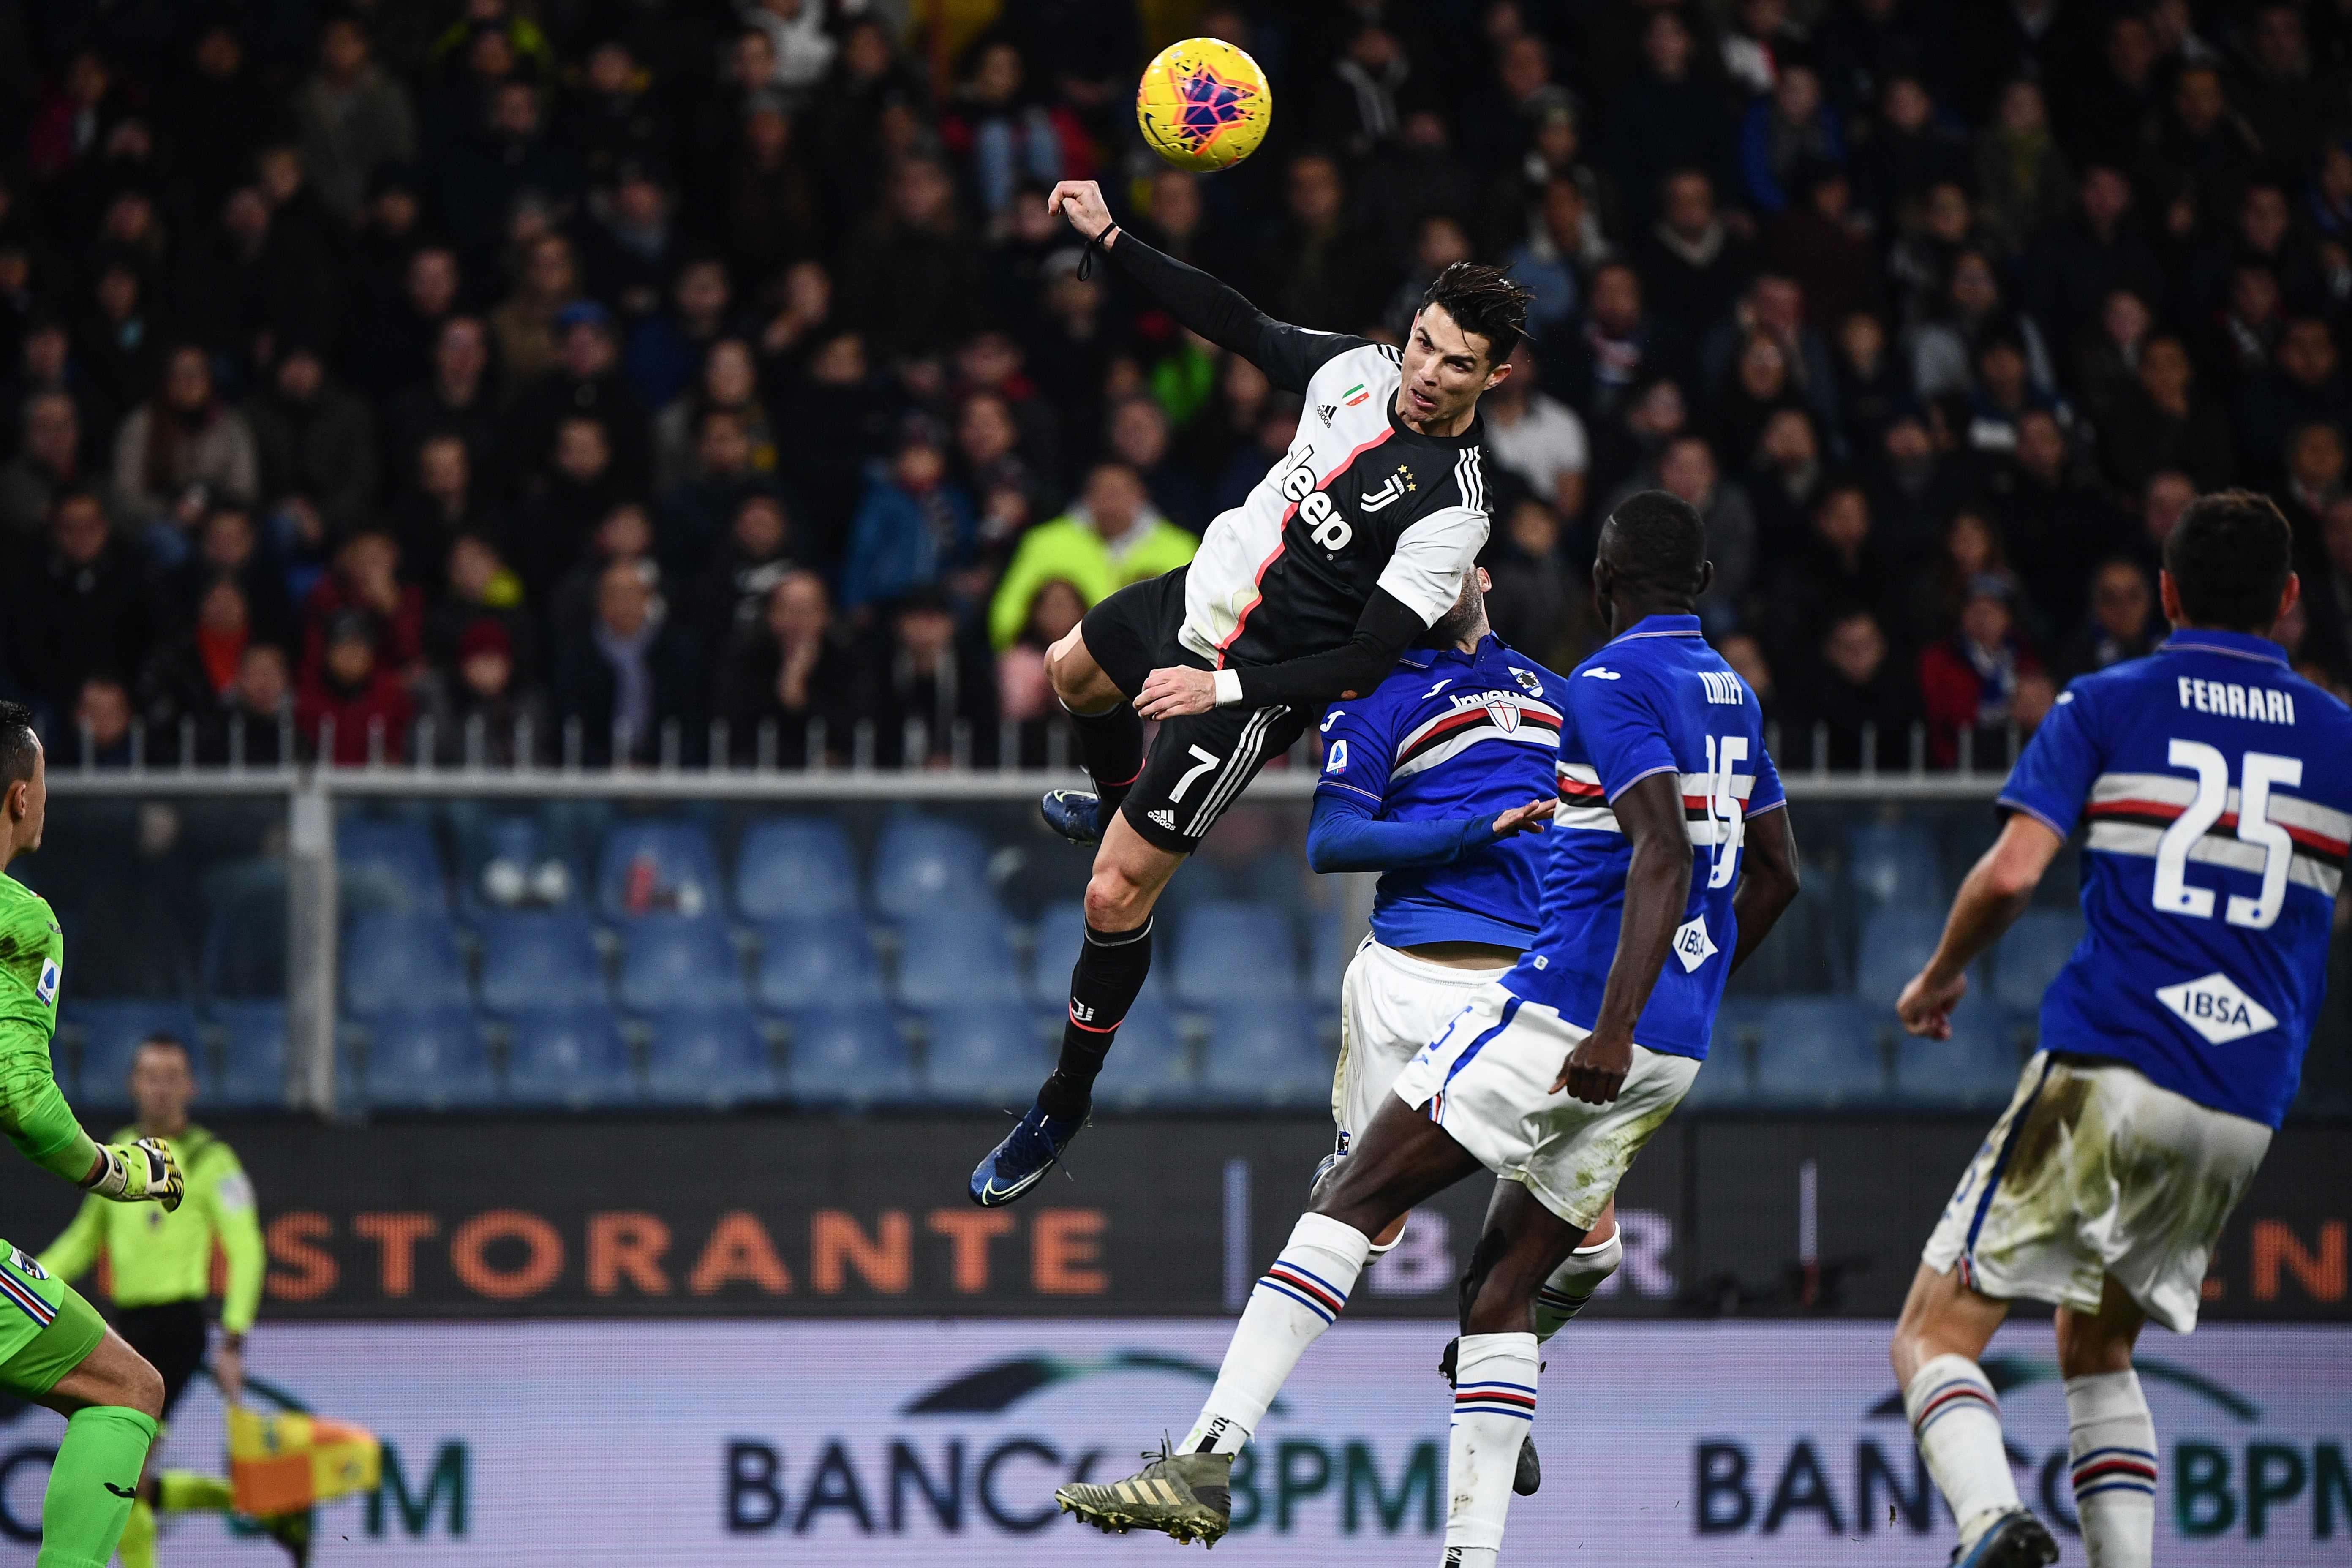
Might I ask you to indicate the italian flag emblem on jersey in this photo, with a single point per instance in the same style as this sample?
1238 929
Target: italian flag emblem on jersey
1354 395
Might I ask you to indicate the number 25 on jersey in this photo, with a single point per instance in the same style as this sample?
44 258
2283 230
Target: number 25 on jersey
2258 773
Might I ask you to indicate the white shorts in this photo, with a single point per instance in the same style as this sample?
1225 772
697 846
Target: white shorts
1390 1005
2093 1172
1487 1082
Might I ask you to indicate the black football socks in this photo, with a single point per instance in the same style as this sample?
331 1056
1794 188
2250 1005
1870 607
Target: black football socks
1103 985
1110 748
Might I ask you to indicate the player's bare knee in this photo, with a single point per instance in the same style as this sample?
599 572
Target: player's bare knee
142 1388
2089 1346
1115 900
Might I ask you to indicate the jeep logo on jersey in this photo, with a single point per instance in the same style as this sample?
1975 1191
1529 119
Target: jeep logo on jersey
2217 1009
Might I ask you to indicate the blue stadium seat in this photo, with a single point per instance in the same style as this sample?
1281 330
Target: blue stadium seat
656 865
795 867
1895 945
670 961
948 959
2031 954
407 962
816 964
1892 865
433 1059
391 866
848 1056
712 1057
1806 956
540 961
985 1053
1267 1054
1976 1069
1726 1080
1148 1065
1329 953
110 1035
569 1057
924 866
1061 927
1228 952
253 1057
516 861
1819 1051
244 944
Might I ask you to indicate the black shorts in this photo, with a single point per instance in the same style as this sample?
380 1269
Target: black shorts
1199 763
172 1337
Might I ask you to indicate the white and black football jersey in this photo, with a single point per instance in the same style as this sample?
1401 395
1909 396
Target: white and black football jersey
1359 501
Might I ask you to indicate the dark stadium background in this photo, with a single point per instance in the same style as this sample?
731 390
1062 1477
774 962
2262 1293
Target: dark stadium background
530 530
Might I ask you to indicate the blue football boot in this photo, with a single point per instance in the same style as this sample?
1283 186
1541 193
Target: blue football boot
2015 1540
1032 1148
1075 814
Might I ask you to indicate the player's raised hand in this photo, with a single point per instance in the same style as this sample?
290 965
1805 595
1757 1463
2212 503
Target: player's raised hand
1596 1069
139 1172
1532 818
1178 690
1081 202
1926 1003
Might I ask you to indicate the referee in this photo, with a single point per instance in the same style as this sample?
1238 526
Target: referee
159 1275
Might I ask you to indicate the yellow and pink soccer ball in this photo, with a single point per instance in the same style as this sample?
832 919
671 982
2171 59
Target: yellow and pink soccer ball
1204 105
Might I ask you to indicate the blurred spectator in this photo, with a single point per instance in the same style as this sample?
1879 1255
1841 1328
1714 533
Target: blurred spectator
85 605
1969 549
1538 439
1361 113
257 727
1969 316
366 579
2054 528
796 35
229 546
911 282
1841 566
1112 537
2123 622
177 453
48 463
482 717
623 535
1687 468
1025 695
1315 268
2166 424
316 445
2106 361
583 383
1853 701
1139 439
1980 681
631 678
2024 183
771 212
564 504
1825 247
478 588
1786 129
1669 117
457 399
792 690
441 504
354 119
192 675
733 592
935 704
352 709
912 528
1693 266
523 325
505 155
667 348
729 382
1911 148
2305 383
104 721
2074 266
2327 600
1535 600
1005 133
2162 501
1620 347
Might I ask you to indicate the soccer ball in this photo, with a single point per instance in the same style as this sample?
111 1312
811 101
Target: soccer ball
1203 104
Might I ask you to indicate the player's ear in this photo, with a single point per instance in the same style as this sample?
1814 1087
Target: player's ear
1496 377
2168 594
1706 578
1486 580
2288 598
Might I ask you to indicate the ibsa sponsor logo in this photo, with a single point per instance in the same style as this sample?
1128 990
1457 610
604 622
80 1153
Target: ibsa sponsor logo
973 1457
2228 1475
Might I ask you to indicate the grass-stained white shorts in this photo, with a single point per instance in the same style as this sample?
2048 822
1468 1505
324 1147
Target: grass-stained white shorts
1390 1005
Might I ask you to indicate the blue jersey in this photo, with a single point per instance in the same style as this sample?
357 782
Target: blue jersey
1449 735
2219 800
1656 699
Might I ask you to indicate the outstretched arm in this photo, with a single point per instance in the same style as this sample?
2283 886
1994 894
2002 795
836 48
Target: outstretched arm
1344 835
1289 355
1997 890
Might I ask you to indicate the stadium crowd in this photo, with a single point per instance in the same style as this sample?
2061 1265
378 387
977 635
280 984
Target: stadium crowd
674 360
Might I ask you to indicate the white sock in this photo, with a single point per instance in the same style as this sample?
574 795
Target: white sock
2111 1440
1471 1557
1296 1300
1957 1421
1494 1406
1571 1284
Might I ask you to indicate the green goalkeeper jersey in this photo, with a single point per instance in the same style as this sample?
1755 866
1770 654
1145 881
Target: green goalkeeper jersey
32 1113
153 1257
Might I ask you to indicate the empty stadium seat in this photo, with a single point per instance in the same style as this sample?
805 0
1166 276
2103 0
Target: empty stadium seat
923 865
658 866
795 867
985 1054
540 961
1892 865
1976 1069
570 1056
430 1059
670 961
1329 953
1726 1080
253 1054
851 1056
1804 955
2031 954
712 1057
1148 1065
1061 929
1819 1051
1267 1054
1895 945
1228 952
516 861
245 943
816 964
408 963
948 959
110 1033
390 865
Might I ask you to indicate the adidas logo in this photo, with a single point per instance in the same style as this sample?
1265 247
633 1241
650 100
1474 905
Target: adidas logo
1324 411
1165 819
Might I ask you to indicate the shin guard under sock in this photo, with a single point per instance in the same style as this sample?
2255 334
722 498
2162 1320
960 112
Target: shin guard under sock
91 1484
1103 984
1110 748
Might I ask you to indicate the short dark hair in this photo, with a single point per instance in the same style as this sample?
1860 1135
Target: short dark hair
18 744
164 1041
1660 543
1482 300
2229 556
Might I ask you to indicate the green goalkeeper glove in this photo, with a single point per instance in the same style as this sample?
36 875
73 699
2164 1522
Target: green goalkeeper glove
138 1173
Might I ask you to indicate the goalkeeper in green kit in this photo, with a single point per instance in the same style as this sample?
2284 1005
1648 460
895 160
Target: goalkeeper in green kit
54 1349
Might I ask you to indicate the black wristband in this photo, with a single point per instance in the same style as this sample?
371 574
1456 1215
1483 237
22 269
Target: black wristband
1086 260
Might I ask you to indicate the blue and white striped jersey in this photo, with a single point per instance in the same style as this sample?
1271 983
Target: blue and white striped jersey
1448 736
2218 785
